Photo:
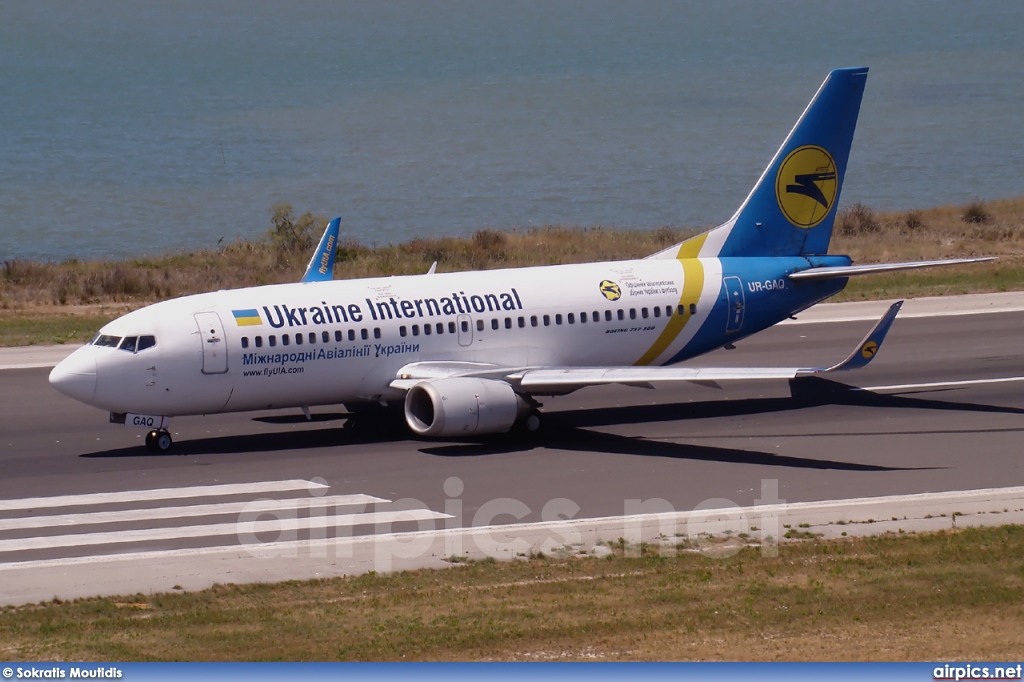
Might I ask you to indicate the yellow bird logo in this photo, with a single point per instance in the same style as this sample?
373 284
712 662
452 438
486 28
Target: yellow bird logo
610 290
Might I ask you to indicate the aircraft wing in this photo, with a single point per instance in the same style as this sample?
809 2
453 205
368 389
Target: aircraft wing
540 380
876 268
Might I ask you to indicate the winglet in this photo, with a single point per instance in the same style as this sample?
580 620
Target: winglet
867 349
321 265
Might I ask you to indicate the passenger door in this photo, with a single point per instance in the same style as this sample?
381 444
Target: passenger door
215 347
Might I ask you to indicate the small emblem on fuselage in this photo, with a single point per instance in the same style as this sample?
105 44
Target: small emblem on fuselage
610 290
247 318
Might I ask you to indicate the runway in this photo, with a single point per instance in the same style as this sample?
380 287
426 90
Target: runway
952 421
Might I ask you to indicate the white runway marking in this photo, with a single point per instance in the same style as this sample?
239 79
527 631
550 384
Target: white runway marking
279 525
90 518
919 506
159 494
940 384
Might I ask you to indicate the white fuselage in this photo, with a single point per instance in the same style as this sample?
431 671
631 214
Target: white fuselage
345 340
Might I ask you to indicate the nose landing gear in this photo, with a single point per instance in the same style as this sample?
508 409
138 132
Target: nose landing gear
159 440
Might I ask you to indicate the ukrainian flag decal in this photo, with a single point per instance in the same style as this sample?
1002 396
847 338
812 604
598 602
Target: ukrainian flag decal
247 318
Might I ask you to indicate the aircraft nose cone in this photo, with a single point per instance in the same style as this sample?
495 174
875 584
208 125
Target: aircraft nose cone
75 377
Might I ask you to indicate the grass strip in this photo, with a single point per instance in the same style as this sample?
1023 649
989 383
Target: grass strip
954 595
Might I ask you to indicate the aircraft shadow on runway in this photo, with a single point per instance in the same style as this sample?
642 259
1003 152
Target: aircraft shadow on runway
569 430
805 393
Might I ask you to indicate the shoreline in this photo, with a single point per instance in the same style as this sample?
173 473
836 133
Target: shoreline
45 303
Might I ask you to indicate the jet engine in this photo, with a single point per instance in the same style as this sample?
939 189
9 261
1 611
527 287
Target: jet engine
462 406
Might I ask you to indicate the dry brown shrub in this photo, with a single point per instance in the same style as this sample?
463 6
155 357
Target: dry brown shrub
857 219
977 213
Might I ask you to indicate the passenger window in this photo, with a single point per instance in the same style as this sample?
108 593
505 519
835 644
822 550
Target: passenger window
607 316
632 313
129 344
287 339
682 309
558 318
312 337
494 323
245 342
147 342
583 317
427 330
440 326
326 337
693 308
533 320
508 323
643 313
337 335
668 311
547 320
363 334
259 342
465 326
451 327
271 340
402 330
351 334
570 318
621 314
657 311
415 330
376 332
522 322
479 326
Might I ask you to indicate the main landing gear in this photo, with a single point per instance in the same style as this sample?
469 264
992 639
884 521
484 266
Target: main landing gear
159 440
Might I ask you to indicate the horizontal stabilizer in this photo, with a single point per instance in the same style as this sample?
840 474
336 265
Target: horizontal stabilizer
321 265
876 268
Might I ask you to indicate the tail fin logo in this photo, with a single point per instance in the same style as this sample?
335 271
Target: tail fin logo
806 186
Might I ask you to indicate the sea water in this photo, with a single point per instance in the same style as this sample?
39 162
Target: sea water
133 127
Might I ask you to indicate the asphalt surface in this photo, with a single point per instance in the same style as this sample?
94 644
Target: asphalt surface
600 453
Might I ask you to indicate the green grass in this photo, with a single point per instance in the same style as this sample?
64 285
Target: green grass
983 278
951 595
30 330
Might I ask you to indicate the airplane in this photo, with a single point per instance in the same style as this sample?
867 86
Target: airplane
469 353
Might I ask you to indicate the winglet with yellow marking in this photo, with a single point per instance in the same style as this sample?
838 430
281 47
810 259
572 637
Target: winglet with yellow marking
868 348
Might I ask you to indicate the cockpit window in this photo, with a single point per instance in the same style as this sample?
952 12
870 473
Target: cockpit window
145 342
107 340
129 344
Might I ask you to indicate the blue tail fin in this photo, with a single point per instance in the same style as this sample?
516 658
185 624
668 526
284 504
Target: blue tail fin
321 265
792 207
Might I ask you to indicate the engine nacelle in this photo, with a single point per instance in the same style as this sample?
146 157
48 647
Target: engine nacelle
462 406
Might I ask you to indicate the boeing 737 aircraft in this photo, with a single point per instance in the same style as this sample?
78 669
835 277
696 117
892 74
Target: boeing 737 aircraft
469 352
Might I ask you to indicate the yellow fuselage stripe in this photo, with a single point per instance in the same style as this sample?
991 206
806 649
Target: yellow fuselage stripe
693 285
691 247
